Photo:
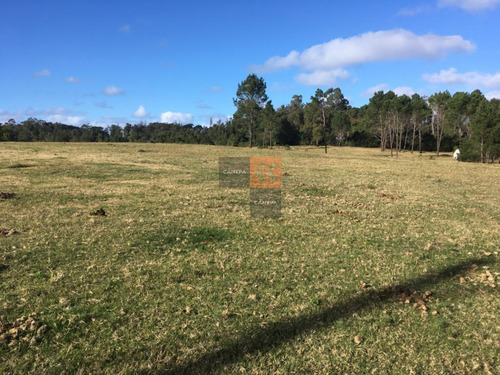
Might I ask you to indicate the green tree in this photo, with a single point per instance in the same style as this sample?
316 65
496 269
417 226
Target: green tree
296 120
115 133
250 99
458 113
341 126
420 114
269 125
377 116
323 103
439 104
482 126
7 131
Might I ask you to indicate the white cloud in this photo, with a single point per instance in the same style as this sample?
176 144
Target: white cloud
113 91
215 117
387 45
473 79
176 117
109 120
42 73
124 29
403 90
68 120
322 77
471 5
325 63
495 94
140 112
400 90
372 90
215 89
63 116
58 114
73 80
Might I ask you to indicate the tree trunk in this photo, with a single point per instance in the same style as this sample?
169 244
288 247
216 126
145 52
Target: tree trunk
324 130
420 139
482 150
413 136
250 130
439 133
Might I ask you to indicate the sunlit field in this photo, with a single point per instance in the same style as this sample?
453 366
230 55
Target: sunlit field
129 258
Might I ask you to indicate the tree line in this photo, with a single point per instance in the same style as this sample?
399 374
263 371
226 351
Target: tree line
398 123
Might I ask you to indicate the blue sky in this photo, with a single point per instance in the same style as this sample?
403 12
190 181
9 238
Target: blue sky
112 62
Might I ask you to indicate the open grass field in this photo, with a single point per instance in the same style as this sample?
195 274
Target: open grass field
376 265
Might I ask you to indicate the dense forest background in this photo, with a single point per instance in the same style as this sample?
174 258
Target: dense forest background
440 123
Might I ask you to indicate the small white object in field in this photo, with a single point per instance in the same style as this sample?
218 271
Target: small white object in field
456 154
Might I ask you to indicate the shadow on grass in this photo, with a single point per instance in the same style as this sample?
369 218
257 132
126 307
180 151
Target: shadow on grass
276 333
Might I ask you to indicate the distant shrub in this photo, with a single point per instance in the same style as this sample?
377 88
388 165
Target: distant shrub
470 151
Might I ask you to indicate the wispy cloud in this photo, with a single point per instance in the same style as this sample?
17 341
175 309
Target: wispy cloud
204 106
113 91
215 89
176 117
73 80
103 104
409 12
327 62
6 116
471 5
42 73
280 86
125 29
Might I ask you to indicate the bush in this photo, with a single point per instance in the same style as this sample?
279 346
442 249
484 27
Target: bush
470 151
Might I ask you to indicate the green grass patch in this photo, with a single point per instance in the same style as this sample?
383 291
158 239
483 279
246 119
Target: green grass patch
376 265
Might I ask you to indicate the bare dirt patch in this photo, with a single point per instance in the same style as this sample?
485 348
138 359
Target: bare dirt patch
389 196
338 212
7 232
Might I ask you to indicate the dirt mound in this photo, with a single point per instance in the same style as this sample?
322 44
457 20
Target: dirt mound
7 232
419 300
99 212
7 195
24 329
